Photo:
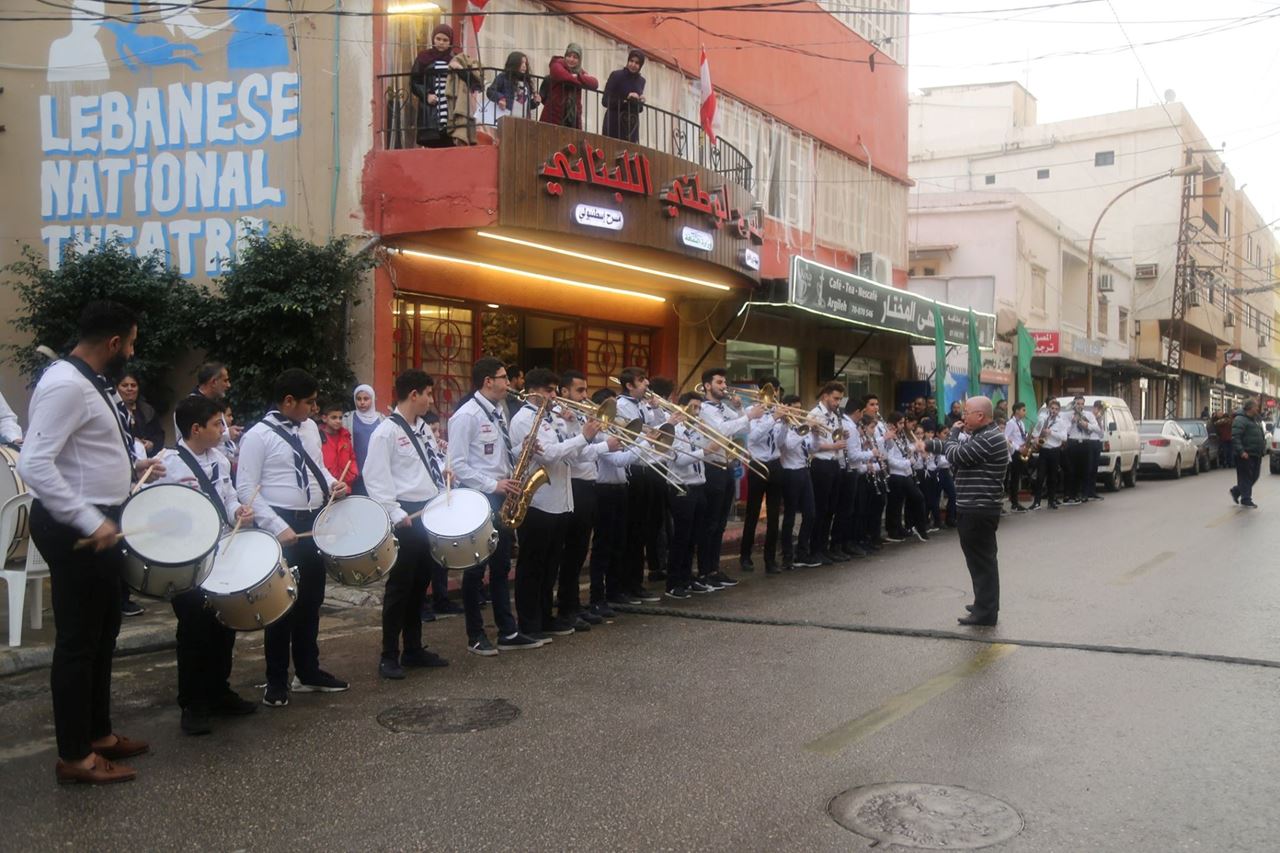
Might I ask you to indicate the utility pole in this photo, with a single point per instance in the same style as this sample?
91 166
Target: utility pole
1183 281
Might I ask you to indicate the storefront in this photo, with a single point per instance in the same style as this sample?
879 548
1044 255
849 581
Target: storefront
1064 364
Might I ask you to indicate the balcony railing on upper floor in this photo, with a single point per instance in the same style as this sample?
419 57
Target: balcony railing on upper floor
658 129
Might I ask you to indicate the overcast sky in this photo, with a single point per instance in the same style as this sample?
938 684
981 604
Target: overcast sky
1229 80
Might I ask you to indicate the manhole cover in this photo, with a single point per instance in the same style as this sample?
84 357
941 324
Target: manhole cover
449 716
931 817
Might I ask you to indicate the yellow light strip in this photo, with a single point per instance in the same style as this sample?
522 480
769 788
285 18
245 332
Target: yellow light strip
406 8
619 264
496 268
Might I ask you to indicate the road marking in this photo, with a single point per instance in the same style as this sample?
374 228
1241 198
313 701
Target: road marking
1135 573
847 734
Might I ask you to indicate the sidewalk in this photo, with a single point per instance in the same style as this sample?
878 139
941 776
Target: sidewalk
154 630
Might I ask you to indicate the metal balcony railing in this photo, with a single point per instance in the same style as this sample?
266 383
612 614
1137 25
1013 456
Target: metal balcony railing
659 129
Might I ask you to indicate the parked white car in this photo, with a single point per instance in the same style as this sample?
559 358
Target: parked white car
1166 449
1118 464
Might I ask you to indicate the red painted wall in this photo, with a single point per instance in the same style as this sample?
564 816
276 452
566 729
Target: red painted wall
421 189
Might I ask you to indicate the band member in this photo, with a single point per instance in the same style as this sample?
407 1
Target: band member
1095 452
402 473
824 468
610 535
660 388
78 458
1051 434
1082 427
845 526
946 486
763 446
875 489
550 511
481 457
642 506
797 494
204 644
904 492
727 421
689 510
281 460
1015 434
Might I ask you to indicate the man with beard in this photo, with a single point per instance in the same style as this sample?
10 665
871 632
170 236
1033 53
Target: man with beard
727 421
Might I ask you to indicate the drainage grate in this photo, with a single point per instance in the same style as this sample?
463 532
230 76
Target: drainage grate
930 817
449 716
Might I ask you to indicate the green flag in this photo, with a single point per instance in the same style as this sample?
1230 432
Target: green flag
975 358
940 364
1026 388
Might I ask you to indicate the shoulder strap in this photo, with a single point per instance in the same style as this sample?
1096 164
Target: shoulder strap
96 382
206 485
306 457
413 437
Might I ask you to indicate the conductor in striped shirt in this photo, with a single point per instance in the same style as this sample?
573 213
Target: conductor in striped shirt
978 452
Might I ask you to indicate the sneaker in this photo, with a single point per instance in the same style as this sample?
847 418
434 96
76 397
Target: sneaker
580 625
679 593
700 588
623 599
195 721
1019 508
131 608
920 534
710 582
894 537
804 561
603 610
319 682
723 579
519 641
558 628
647 596
1235 494
1249 504
275 696
447 608
545 639
746 564
428 613
232 704
422 658
854 550
390 668
590 617
1053 505
481 646
1035 505
1071 502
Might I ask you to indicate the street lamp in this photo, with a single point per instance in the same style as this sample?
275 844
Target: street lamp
1178 172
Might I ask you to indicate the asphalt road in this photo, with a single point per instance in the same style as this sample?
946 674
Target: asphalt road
1146 722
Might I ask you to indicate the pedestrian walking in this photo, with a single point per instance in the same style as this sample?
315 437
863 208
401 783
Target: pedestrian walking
1249 444
979 465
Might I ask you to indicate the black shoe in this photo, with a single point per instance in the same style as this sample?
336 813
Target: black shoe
894 537
1249 504
481 646
771 569
874 546
746 564
448 608
723 579
621 598
855 550
920 534
319 682
1053 505
390 668
590 617
428 613
1018 508
832 556
659 575
679 593
986 621
518 641
1235 494
603 610
580 626
195 721
422 658
232 704
1034 505
558 627
804 561
646 596
1096 498
699 587
275 696
1071 502
131 608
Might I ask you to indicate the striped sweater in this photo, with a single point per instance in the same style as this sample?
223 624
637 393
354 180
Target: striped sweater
979 464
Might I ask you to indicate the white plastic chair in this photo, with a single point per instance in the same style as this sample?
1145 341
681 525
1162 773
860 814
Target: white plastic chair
33 572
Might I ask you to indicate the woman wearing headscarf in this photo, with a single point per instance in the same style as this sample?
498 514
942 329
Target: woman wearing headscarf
562 100
361 423
512 91
624 99
443 80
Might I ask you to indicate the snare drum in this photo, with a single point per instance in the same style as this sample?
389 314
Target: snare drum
175 529
459 526
11 486
355 539
249 585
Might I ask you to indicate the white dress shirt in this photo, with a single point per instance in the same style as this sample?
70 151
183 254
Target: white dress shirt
764 438
611 468
583 466
687 465
74 459
629 408
832 421
557 450
266 460
796 450
1053 429
899 459
1015 434
393 471
724 420
478 453
215 466
1088 432
9 428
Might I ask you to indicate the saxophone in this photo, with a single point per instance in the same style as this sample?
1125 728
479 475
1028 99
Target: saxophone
515 507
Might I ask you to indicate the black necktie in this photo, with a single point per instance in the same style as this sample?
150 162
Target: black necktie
497 418
122 414
299 455
433 465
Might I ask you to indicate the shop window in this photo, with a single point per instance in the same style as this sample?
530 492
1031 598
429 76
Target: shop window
1122 324
861 376
436 338
1104 158
1103 315
747 362
989 179
1042 174
1039 287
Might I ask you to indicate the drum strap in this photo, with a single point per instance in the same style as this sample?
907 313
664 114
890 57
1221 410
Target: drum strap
433 467
103 386
206 485
300 454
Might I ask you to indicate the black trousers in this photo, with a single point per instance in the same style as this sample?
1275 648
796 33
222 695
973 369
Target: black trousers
688 521
406 584
86 614
797 497
1050 473
1076 464
720 488
498 566
1247 473
769 492
297 633
1091 469
978 542
904 494
610 541
947 487
204 651
645 497
825 474
1017 470
577 539
845 522
870 507
537 567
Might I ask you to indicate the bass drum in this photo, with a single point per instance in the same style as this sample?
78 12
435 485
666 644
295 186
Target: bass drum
460 529
11 486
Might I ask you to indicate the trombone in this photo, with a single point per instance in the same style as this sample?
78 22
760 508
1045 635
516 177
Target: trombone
794 416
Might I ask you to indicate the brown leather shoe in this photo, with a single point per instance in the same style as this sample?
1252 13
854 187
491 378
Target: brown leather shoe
103 772
123 748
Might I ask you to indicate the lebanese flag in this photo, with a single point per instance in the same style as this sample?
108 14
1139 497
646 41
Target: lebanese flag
475 8
707 112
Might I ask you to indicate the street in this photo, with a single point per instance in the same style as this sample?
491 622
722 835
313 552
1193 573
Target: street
1125 702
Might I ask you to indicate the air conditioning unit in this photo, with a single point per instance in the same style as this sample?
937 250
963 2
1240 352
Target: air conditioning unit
1262 341
876 267
1146 271
1106 284
1193 298
1229 320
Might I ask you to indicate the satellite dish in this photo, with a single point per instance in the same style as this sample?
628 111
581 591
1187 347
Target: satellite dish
1170 96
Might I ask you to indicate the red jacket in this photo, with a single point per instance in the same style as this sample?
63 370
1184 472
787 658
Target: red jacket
338 450
562 103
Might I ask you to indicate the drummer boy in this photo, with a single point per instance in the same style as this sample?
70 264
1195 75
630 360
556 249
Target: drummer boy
204 644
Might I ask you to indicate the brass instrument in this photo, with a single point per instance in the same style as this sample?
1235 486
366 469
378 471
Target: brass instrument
515 507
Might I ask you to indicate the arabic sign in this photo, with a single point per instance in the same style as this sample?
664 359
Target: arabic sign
1242 379
749 258
1047 343
585 164
695 239
598 217
851 297
1233 356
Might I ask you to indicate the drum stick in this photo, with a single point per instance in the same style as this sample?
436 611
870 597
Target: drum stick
86 542
142 481
240 519
341 477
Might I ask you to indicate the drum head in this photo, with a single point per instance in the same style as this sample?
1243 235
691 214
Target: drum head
351 526
10 483
174 524
242 561
459 512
